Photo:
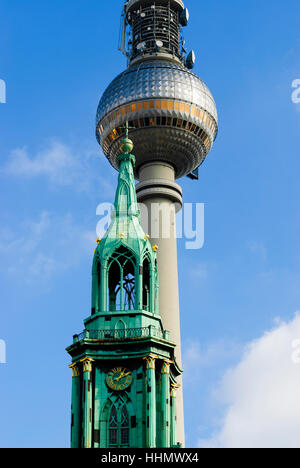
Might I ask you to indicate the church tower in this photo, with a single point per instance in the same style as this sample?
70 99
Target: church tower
124 367
127 362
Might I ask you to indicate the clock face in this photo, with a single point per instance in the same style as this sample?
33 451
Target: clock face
119 378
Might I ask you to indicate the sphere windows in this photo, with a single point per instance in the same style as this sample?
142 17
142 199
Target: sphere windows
157 121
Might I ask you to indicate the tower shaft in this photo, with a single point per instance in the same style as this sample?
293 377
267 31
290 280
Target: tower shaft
161 199
173 124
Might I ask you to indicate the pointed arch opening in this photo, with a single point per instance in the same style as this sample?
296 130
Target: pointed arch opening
121 281
118 425
146 284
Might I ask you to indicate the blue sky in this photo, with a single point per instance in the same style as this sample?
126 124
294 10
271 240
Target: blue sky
240 289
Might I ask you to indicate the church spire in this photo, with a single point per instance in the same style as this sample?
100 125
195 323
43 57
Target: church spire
124 353
125 200
125 228
126 242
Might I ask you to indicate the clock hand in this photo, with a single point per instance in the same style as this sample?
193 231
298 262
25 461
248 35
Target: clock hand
121 376
125 375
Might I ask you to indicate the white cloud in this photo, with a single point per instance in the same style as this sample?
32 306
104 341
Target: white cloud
56 162
43 248
261 394
61 165
196 358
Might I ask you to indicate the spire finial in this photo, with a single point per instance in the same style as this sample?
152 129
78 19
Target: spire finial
126 144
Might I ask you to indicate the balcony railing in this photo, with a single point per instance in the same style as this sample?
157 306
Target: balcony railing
124 334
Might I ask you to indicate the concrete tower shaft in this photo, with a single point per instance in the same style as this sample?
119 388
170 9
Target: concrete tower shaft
162 198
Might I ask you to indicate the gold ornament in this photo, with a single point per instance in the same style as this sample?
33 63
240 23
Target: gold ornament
150 361
87 364
75 369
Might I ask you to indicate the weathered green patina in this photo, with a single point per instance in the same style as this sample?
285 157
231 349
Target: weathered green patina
124 371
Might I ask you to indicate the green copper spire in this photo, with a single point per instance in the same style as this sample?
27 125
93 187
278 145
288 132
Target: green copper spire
125 200
126 234
123 363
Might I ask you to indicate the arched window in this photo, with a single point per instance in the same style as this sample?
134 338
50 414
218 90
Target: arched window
114 280
146 284
121 281
118 427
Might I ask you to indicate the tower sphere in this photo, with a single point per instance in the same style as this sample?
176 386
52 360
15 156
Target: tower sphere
171 111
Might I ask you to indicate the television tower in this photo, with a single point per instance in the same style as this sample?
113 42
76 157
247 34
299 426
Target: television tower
175 124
